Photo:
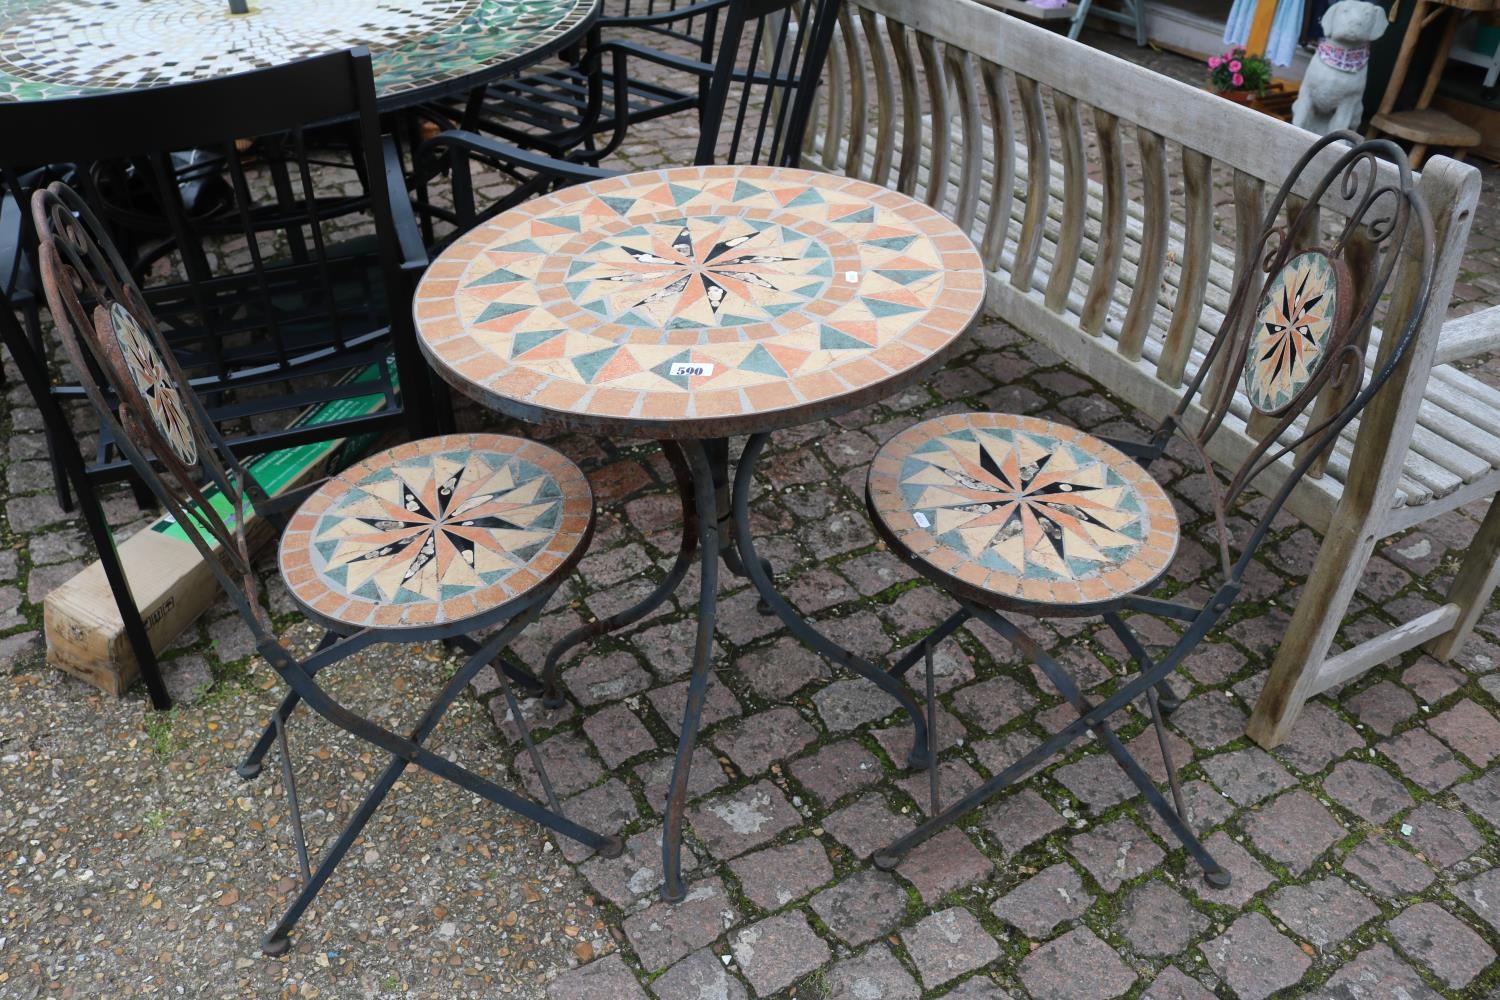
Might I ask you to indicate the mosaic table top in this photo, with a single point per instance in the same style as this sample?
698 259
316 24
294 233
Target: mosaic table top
69 48
699 301
1020 510
435 532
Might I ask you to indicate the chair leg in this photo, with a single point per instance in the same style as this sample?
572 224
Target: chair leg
932 740
1475 582
250 767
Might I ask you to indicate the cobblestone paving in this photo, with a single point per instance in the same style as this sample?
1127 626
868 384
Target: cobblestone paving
1365 855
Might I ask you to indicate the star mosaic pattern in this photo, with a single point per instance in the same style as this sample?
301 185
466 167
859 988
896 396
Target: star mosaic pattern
155 384
69 48
436 531
1292 330
1023 509
661 299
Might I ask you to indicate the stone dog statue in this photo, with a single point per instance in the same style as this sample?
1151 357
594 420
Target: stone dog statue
1332 94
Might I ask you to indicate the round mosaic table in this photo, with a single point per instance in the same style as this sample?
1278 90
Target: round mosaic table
690 305
72 48
1020 512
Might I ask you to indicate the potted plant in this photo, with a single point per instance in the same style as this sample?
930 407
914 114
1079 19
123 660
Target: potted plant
1239 76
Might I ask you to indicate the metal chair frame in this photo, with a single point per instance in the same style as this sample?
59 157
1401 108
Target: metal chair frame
271 338
1294 443
84 278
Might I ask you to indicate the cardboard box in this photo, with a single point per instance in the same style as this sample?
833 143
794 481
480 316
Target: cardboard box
171 582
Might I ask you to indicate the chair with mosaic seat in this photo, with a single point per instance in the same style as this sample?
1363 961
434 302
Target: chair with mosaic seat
461 537
1021 515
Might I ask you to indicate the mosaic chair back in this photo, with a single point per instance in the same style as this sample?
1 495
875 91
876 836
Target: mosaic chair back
1020 514
142 396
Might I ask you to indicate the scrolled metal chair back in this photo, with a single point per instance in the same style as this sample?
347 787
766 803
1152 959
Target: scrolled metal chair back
145 404
1294 338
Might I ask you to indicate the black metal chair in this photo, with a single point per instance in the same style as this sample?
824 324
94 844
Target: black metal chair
438 539
758 97
1012 514
284 295
560 106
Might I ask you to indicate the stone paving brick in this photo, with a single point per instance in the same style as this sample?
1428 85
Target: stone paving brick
700 976
778 951
946 944
1388 870
955 780
862 907
1116 852
1444 836
1294 829
775 876
569 765
1376 974
1020 819
1157 920
1324 912
977 988
1254 959
1046 899
1247 776
733 823
867 824
704 775
598 679
607 807
1210 720
609 978
1431 680
765 738
1247 876
947 862
1470 730
664 933
719 703
618 735
1174 984
668 648
995 755
778 671
1383 706
848 704
636 874
876 974
1442 943
992 703
1096 781
1076 966
1483 796
836 770
1206 808
1482 895
875 571
1366 790
1318 738
1423 760
896 738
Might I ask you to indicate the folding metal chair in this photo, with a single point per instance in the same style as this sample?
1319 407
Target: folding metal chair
1013 514
439 539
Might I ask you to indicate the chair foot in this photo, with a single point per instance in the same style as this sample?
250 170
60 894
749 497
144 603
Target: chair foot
673 894
552 699
1218 878
274 945
885 862
248 771
920 759
1167 699
612 847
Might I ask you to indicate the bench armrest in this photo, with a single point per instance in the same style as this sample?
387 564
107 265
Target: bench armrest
1468 335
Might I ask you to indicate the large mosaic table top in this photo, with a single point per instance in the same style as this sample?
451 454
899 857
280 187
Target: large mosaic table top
69 48
436 532
1022 511
699 302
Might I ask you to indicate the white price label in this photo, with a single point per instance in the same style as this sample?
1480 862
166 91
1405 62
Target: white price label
682 369
921 519
852 277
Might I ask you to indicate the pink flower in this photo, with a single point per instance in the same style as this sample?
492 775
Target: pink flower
1235 66
1213 62
1239 80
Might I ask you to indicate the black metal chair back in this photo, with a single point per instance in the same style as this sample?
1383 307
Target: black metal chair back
769 61
1295 337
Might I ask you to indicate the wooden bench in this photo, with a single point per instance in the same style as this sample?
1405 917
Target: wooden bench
1113 207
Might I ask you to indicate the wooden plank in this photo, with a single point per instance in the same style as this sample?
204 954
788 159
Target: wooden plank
1143 300
1466 336
1111 244
1074 199
1387 646
1038 170
1197 177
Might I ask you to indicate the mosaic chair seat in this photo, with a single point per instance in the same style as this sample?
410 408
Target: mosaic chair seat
461 538
292 294
757 97
1020 515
